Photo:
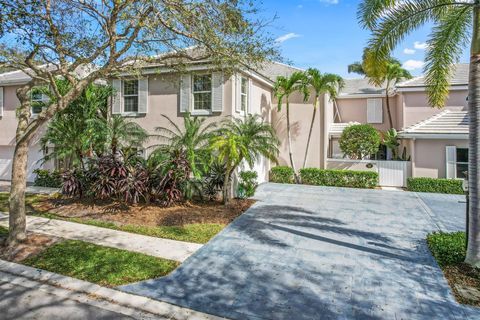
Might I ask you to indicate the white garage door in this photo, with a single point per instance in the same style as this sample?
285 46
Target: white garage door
6 155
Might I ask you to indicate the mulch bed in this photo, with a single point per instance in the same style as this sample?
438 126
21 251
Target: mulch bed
465 283
146 215
34 244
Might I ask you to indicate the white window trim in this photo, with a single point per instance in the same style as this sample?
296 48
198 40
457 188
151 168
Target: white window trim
201 112
129 113
244 94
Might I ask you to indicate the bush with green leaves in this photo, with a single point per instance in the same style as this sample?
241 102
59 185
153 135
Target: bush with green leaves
359 141
247 184
281 174
422 184
47 178
447 248
339 178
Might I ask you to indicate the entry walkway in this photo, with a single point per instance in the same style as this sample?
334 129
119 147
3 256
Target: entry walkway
305 252
158 247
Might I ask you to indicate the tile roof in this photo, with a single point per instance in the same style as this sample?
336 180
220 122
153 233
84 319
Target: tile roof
20 77
459 76
337 128
273 69
360 87
446 122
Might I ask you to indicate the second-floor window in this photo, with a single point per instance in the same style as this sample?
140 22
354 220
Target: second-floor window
243 94
202 92
38 100
130 95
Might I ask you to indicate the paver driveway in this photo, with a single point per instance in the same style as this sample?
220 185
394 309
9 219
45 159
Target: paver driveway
306 252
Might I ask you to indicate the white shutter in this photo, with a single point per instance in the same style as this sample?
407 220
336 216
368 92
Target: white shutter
143 95
238 90
374 111
217 92
117 97
451 162
185 92
1 101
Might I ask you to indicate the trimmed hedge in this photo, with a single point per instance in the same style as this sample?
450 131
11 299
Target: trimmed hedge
447 248
339 178
281 174
46 178
450 186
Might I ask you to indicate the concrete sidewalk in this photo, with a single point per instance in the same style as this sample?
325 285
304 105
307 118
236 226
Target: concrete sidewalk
5 187
29 293
158 247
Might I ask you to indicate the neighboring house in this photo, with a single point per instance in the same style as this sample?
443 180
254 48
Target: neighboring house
435 139
156 90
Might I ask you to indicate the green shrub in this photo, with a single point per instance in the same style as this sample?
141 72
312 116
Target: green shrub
450 186
281 174
45 178
339 178
359 141
248 184
447 248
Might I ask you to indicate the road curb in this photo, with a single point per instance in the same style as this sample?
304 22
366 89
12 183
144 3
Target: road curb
124 299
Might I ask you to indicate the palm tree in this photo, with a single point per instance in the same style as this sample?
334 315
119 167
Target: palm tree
118 132
455 22
71 132
193 139
389 73
320 84
283 88
240 140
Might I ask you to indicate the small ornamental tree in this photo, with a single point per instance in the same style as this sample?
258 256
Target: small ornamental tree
359 141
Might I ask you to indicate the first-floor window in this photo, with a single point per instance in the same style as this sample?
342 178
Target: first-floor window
202 92
130 96
462 162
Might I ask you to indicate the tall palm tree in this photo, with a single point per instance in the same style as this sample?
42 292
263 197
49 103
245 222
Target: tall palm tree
240 140
388 74
320 84
454 23
284 87
193 139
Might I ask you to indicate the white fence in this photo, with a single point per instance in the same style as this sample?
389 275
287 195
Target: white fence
390 173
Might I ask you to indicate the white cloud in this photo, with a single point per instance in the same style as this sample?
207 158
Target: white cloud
408 51
330 1
413 64
420 45
287 36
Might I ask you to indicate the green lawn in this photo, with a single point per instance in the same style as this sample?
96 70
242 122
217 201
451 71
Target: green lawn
197 233
103 265
29 200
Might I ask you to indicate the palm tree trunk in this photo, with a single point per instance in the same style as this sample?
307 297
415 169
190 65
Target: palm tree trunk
473 249
227 187
289 137
310 132
17 221
387 100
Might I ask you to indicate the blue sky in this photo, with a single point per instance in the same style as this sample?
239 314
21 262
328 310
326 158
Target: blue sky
325 34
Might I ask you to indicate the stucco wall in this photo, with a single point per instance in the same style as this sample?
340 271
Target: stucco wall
417 108
429 158
300 118
8 123
355 109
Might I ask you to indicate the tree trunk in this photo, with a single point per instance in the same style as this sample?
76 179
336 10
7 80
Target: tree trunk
310 132
289 137
387 100
17 221
473 249
227 187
